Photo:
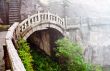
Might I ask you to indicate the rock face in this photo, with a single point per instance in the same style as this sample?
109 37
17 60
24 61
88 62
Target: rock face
41 40
45 40
30 7
98 49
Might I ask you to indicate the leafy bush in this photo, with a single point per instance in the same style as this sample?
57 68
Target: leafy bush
43 62
71 56
34 60
24 53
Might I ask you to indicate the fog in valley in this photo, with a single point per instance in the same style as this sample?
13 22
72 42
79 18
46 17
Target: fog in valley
95 36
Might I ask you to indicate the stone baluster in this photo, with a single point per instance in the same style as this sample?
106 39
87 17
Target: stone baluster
55 17
29 20
58 20
32 20
52 17
63 22
36 18
48 14
21 28
25 25
44 16
39 19
39 16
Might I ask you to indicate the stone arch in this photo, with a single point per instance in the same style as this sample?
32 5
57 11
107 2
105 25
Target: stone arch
41 26
40 21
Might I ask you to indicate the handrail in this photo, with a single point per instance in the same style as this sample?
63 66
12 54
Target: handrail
39 18
16 63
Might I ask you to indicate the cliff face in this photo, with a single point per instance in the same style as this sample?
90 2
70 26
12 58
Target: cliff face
30 7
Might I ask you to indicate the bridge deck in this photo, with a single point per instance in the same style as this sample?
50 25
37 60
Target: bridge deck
2 42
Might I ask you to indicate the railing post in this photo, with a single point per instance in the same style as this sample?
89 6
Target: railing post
63 22
29 20
55 17
45 16
39 16
48 16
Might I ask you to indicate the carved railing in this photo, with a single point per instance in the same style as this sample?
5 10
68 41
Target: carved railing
40 18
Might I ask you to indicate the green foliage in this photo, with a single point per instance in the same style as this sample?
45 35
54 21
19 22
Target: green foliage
71 57
24 53
42 62
69 54
98 68
34 60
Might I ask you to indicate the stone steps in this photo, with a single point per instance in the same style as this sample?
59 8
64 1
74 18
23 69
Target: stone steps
14 11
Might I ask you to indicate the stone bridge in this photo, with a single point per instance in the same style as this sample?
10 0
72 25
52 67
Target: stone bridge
47 24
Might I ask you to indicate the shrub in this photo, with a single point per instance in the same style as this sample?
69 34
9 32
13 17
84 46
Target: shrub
71 56
43 62
34 60
24 53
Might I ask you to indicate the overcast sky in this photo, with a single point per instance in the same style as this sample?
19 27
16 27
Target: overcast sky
98 5
101 7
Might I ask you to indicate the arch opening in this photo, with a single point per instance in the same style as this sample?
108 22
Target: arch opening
44 40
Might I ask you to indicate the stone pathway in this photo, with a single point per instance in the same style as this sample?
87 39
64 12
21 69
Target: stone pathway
2 42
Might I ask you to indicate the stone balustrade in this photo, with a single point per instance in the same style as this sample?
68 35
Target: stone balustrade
41 18
16 63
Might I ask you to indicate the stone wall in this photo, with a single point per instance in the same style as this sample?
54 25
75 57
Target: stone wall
42 40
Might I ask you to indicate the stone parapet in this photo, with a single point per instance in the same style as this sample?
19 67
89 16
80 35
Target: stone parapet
16 63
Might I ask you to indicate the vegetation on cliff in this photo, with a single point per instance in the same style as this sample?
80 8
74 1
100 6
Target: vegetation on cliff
69 58
34 60
25 55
